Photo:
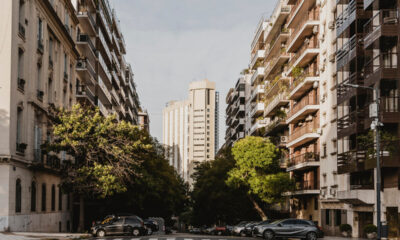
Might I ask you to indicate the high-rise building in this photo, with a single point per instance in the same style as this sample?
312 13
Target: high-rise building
144 120
235 112
189 128
52 57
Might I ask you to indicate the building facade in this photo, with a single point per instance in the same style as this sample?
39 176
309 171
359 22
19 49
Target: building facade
189 128
303 57
49 60
235 112
144 120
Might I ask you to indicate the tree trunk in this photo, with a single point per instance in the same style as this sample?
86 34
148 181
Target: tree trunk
258 208
81 225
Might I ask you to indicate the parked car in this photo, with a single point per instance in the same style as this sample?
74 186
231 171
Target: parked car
195 231
129 225
238 230
151 225
289 228
248 230
222 230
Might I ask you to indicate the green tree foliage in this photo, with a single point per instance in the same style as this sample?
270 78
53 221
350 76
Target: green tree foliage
213 201
257 169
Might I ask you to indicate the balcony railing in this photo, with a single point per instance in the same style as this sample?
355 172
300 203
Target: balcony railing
310 99
312 43
311 15
21 84
350 45
383 17
308 127
303 158
21 30
308 72
82 90
381 61
306 185
86 38
38 156
85 64
91 19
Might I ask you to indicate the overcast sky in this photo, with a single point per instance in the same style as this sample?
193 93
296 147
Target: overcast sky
171 43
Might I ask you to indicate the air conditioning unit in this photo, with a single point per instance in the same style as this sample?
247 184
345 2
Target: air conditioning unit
81 64
284 139
331 25
333 191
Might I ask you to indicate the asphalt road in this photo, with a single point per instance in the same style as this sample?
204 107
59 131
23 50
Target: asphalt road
178 236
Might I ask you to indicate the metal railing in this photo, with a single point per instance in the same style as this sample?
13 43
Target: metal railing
311 43
303 158
383 17
86 38
310 15
91 19
308 127
381 61
310 99
308 72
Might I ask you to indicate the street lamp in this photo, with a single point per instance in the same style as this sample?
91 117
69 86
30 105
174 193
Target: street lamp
374 112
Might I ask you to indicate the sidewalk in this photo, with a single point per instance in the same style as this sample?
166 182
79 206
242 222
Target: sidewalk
37 236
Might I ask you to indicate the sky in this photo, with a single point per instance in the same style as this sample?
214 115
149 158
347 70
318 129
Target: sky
171 43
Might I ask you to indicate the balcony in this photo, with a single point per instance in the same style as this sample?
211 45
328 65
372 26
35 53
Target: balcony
257 109
275 65
384 23
105 50
258 73
84 94
87 22
305 187
21 84
104 71
303 161
367 3
86 47
307 105
348 16
382 66
278 18
85 71
256 92
358 197
306 27
344 92
104 93
351 49
255 60
276 125
257 127
21 30
303 83
262 25
351 123
308 51
307 132
115 96
275 103
277 44
106 20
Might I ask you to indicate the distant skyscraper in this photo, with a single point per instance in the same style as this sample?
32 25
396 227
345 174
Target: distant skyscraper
190 127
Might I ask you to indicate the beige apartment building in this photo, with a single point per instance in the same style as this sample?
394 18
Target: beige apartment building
189 128
51 57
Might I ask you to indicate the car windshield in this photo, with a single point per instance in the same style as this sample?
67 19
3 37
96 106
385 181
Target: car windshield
276 222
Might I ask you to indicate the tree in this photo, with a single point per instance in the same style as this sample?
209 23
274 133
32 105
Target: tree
107 154
213 201
257 169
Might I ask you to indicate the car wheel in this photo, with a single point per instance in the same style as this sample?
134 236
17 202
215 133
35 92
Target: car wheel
242 234
311 236
136 232
268 235
101 233
219 233
149 231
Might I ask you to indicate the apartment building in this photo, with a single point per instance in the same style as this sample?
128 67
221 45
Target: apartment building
189 128
144 120
51 58
235 112
37 63
367 42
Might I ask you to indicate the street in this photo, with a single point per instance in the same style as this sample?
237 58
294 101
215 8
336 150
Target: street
177 236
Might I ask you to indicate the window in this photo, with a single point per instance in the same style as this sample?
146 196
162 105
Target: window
19 125
40 31
338 217
43 197
50 91
324 150
315 203
60 195
18 196
39 78
327 217
53 198
68 201
20 62
33 196
208 96
65 64
51 52
21 11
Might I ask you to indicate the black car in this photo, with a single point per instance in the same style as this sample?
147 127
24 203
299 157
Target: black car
130 225
289 228
151 225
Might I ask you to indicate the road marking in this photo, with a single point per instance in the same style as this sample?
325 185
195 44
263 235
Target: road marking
187 239
152 238
170 238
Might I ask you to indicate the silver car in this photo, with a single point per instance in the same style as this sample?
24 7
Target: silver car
289 228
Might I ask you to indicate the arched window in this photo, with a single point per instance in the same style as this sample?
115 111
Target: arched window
53 198
18 197
33 196
43 197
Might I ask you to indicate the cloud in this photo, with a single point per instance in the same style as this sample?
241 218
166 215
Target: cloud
171 43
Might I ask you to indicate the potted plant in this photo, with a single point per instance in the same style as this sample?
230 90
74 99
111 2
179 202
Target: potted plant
346 230
370 230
